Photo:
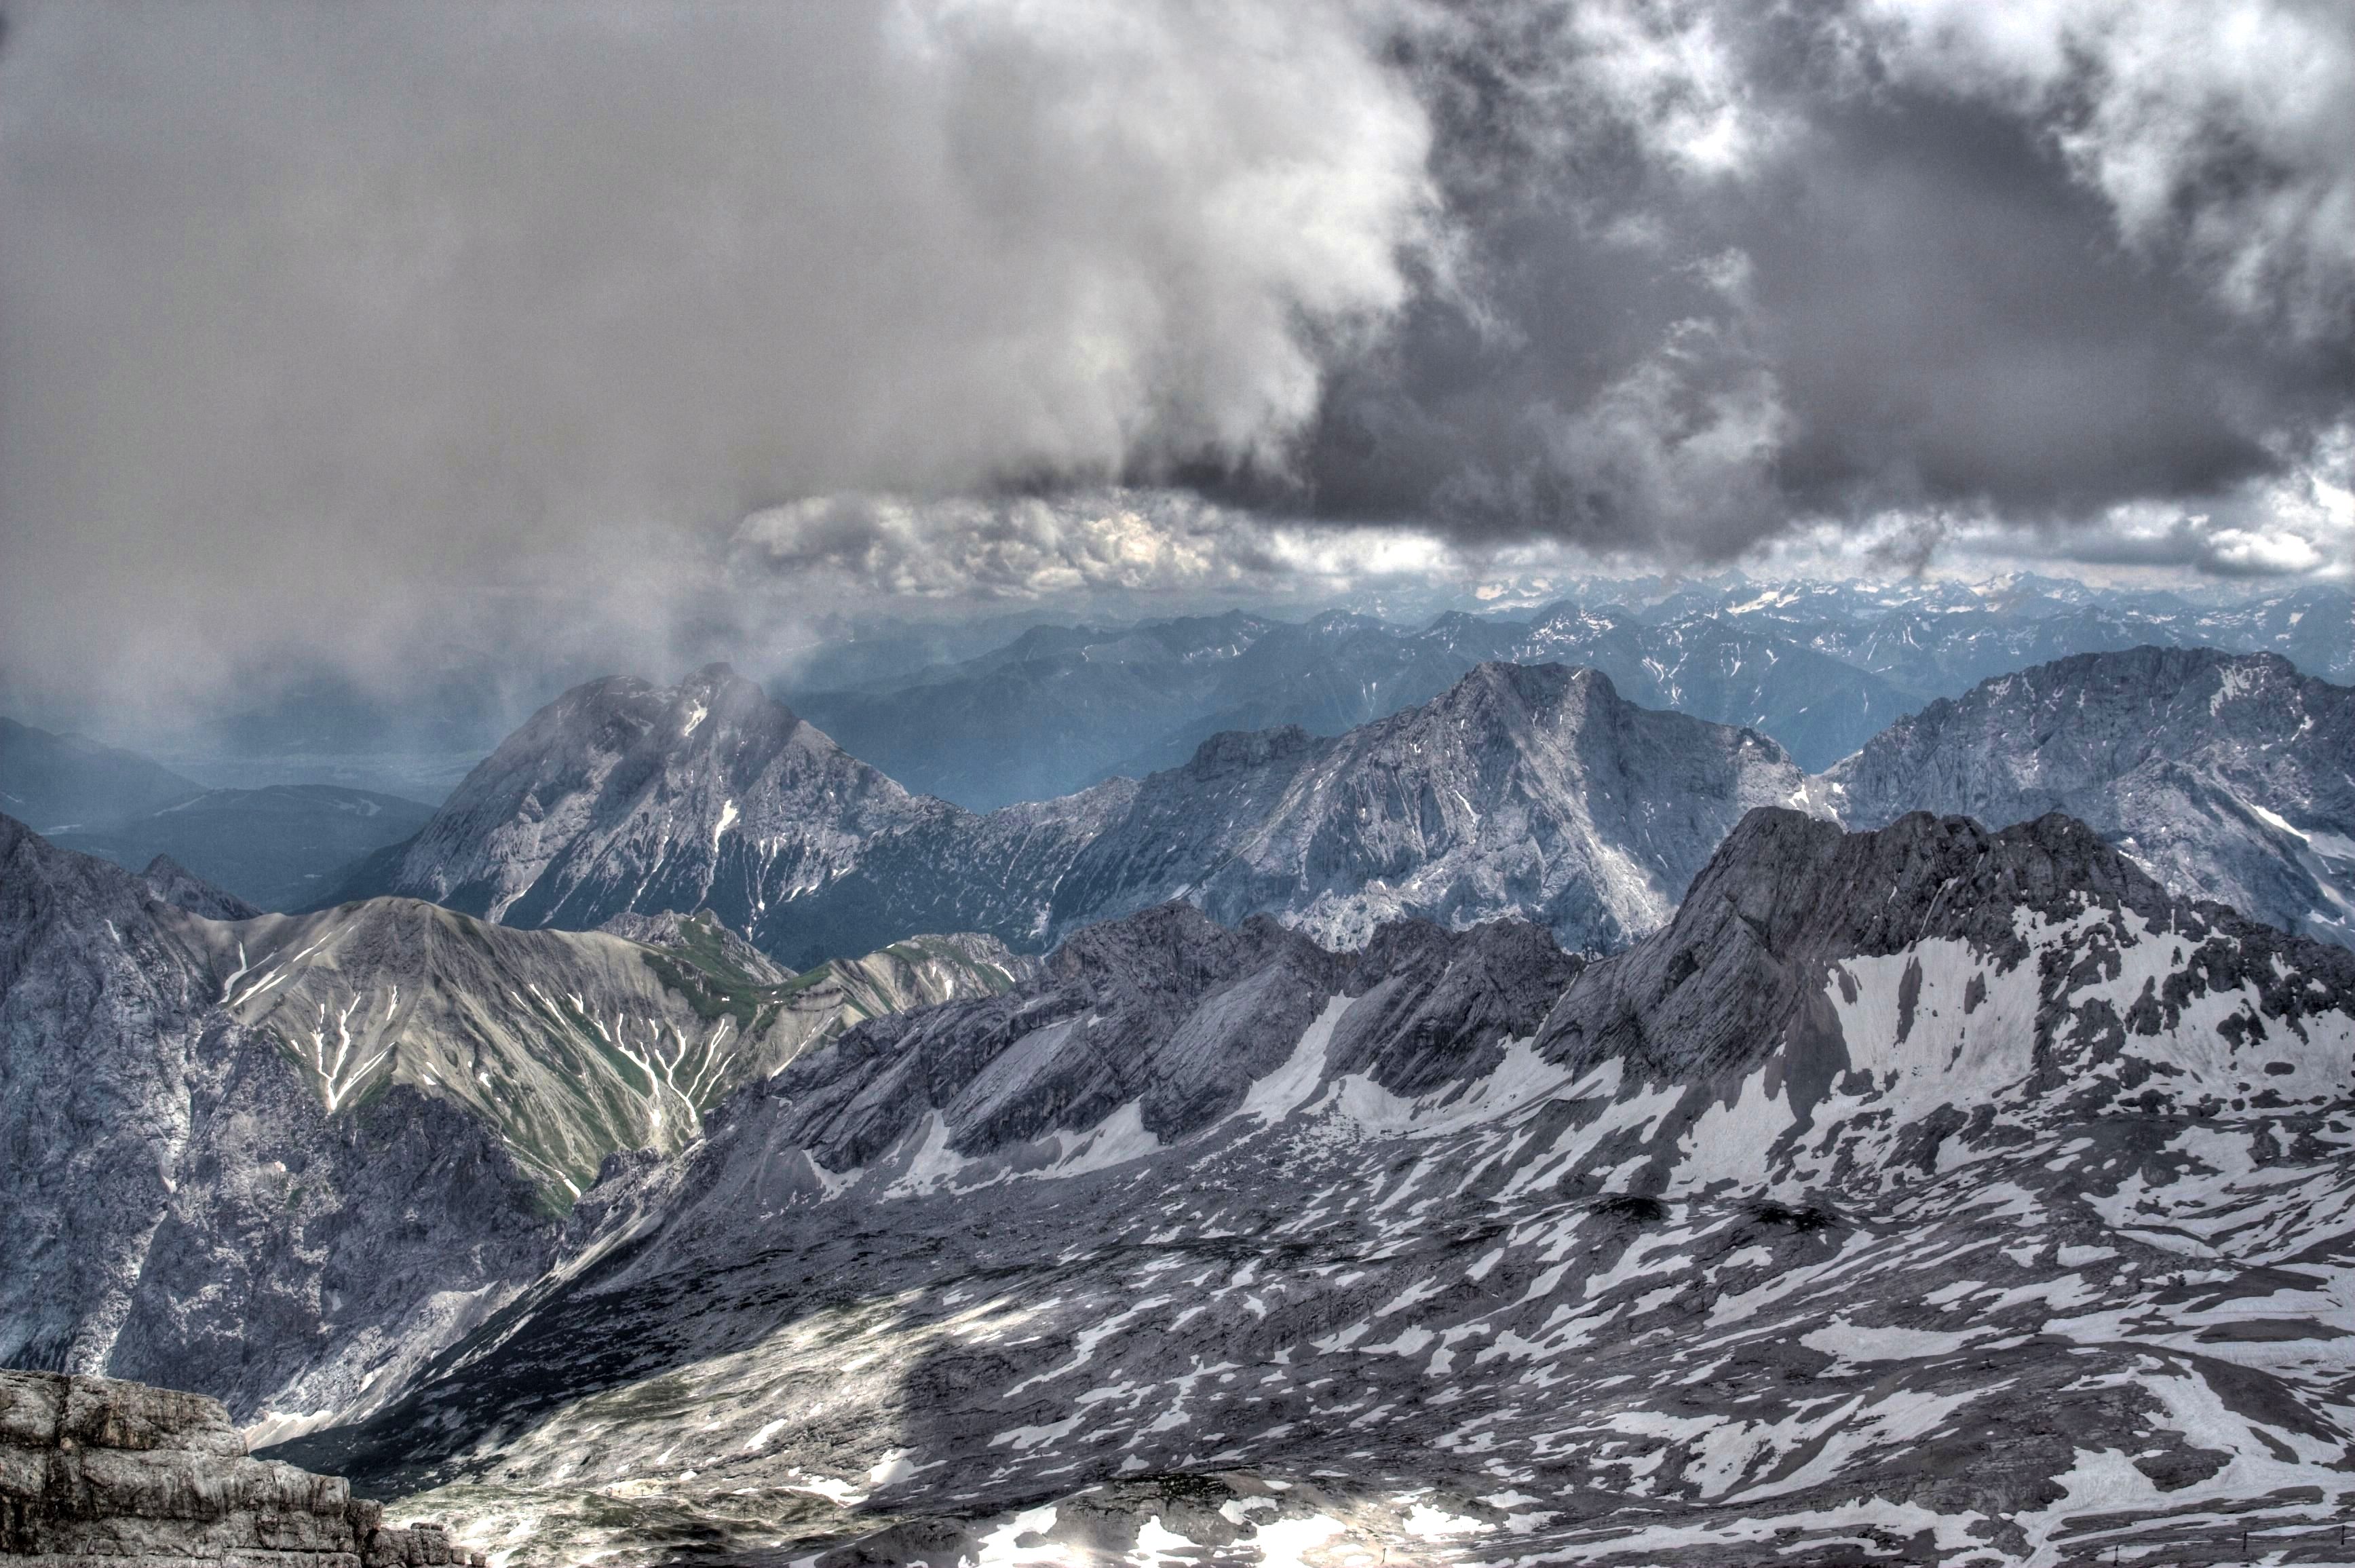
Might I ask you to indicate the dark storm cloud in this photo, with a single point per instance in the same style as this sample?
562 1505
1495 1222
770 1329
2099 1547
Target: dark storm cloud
1898 289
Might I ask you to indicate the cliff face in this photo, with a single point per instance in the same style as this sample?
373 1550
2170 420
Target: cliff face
2229 776
96 1471
180 1203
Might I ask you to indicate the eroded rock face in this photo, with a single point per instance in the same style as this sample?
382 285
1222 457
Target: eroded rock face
93 1470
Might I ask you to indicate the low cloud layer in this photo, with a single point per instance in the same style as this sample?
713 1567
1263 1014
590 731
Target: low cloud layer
389 337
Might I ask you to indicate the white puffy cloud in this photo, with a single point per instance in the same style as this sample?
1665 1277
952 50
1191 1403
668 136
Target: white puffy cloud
1135 544
2221 126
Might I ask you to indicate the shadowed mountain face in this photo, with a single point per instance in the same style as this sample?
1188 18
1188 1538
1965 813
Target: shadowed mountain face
2229 776
280 848
1960 1191
286 1158
1519 791
173 883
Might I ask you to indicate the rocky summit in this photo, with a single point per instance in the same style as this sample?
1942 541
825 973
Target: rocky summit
1529 791
95 1471
625 798
2229 776
1929 1194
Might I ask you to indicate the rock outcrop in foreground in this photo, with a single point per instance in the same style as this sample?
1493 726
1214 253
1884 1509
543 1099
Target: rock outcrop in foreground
97 1471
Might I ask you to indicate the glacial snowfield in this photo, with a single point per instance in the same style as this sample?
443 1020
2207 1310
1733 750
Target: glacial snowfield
1928 1195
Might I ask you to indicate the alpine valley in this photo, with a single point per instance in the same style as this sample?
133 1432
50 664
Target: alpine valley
1524 1124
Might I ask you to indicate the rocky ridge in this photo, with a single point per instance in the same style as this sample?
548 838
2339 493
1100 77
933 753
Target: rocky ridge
1920 1194
95 1470
2231 776
1528 791
572 1045
1533 791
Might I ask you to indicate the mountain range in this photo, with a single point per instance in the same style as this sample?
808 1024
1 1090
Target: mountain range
2229 776
1533 791
56 781
1928 1193
285 1159
278 847
1820 666
986 713
1528 1126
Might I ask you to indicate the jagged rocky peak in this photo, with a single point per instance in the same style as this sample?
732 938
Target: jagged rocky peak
621 797
2229 776
1531 791
1924 968
1787 896
93 1470
1807 889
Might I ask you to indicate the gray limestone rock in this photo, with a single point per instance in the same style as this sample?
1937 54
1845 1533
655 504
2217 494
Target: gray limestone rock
1930 1194
1533 792
621 798
288 1159
2229 776
95 1470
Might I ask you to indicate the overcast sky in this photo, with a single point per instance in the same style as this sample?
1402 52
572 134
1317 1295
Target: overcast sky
380 334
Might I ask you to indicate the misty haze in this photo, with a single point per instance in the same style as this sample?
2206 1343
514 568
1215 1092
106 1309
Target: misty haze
1299 782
